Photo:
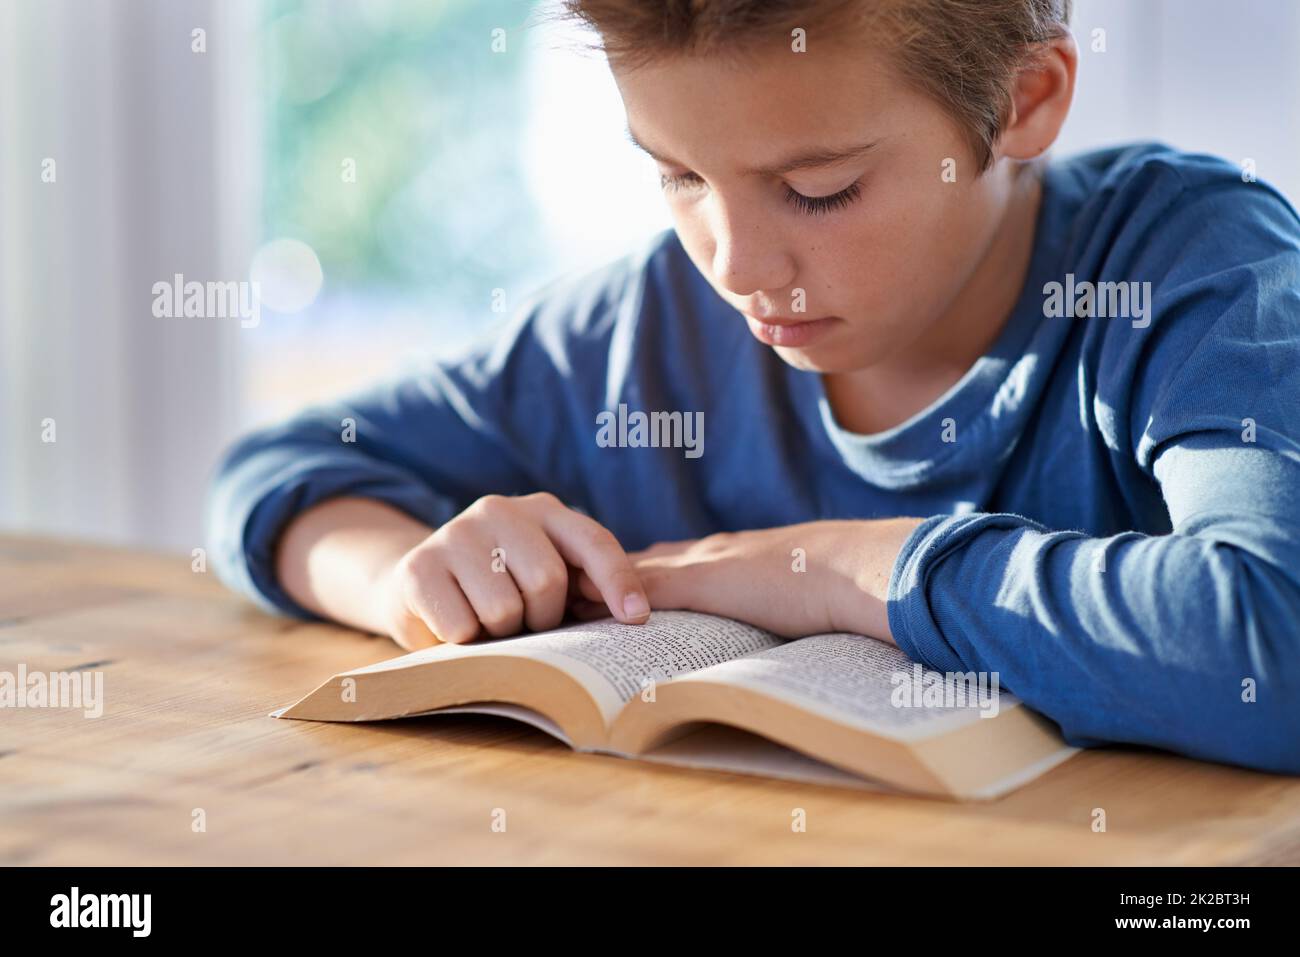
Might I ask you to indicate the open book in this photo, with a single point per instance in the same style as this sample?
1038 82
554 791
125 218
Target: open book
701 691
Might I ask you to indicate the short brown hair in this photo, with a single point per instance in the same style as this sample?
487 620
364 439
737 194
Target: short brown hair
962 53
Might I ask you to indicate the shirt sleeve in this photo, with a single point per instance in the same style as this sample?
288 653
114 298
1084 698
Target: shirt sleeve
1188 641
500 418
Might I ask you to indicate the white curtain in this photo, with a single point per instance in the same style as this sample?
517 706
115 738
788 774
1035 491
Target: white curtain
153 146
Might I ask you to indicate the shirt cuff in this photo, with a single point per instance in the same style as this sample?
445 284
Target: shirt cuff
245 529
908 604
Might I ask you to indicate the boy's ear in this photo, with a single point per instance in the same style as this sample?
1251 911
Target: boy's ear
1040 100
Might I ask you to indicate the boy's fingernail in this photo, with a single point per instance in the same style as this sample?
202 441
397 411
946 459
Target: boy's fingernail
635 606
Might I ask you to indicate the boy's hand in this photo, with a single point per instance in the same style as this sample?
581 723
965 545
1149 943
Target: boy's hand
794 580
503 565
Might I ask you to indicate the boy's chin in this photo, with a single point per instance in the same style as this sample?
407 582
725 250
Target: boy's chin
824 360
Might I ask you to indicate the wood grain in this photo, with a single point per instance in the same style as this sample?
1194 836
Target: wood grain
191 672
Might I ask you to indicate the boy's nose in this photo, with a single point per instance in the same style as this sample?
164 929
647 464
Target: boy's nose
745 265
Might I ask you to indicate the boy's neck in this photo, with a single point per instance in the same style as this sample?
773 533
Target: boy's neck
875 399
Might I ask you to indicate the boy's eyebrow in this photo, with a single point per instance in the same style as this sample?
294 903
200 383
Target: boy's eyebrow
808 160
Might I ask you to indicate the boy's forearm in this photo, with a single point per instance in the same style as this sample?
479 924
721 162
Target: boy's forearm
331 557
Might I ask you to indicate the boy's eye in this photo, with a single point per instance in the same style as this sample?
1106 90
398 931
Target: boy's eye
678 180
816 205
812 205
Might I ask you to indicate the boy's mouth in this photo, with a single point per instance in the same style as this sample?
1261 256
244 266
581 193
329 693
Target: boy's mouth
789 332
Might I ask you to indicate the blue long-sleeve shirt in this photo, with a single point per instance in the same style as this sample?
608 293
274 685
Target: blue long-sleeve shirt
1112 504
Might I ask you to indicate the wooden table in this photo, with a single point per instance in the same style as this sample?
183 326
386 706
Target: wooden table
191 672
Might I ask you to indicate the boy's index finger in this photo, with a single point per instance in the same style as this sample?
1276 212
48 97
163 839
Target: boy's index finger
586 544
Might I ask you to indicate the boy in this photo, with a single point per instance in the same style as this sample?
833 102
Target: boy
1021 418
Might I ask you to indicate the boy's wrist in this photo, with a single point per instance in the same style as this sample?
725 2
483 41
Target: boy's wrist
874 549
333 557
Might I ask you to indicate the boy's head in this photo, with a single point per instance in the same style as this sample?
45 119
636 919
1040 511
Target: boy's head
934 104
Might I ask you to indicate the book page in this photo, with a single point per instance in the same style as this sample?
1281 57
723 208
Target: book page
502 709
719 747
865 683
623 660
612 660
712 747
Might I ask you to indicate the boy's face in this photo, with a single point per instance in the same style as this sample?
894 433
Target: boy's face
883 263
